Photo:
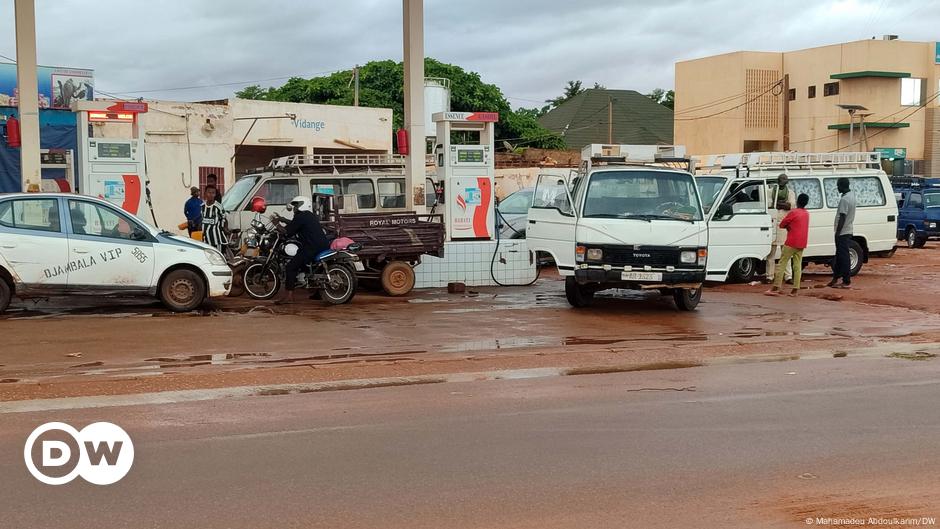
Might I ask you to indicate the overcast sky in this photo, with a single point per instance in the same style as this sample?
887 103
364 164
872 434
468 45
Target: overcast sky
529 48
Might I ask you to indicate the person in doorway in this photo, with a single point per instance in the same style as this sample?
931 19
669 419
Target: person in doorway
213 219
797 225
306 227
212 180
781 202
845 218
193 211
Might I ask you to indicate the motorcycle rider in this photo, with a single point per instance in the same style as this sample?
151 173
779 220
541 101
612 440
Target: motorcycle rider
305 226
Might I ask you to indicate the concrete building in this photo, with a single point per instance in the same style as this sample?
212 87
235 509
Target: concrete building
185 142
760 101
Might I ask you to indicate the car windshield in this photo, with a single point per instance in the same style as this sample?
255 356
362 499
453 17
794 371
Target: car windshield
517 203
708 189
646 195
932 200
238 192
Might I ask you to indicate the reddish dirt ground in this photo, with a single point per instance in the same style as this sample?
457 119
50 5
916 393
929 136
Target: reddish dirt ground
73 347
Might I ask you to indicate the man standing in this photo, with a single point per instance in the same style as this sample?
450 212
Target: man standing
213 217
797 225
845 217
306 227
193 211
213 181
781 202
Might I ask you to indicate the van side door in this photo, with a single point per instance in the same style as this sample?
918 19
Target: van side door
739 227
552 222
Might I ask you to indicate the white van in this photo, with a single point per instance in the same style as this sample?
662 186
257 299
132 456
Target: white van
367 183
627 221
740 186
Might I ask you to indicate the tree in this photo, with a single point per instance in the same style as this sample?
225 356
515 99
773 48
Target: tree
381 86
666 98
572 89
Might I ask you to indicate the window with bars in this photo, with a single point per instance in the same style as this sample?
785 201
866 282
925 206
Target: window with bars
811 92
831 89
791 94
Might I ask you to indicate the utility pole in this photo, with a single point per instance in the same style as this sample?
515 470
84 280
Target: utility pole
356 92
413 17
786 112
610 120
27 101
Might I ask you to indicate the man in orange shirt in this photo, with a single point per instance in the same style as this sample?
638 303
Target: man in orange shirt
797 225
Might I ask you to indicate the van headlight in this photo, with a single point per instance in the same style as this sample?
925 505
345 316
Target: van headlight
215 258
595 254
688 257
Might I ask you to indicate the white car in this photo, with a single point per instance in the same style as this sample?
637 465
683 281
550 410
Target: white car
63 243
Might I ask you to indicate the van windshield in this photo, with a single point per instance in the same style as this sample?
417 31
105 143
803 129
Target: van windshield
932 200
238 192
708 189
647 195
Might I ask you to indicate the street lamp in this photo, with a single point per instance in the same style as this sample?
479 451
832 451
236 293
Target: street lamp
852 110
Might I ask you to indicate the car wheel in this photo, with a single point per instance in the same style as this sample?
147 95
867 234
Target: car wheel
743 270
856 256
579 296
6 294
911 238
182 290
687 298
398 278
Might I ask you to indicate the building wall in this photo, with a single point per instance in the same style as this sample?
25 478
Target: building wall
710 79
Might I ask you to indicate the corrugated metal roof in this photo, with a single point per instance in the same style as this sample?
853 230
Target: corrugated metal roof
637 119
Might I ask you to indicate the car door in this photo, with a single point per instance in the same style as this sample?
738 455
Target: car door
915 212
108 249
552 221
739 227
33 242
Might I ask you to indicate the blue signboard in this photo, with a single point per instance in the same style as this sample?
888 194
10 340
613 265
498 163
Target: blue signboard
936 56
58 87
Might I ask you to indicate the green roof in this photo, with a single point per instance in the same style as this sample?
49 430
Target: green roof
872 125
637 119
869 73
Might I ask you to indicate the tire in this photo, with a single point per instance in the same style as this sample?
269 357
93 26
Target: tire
398 278
856 257
261 282
913 240
687 298
341 286
182 290
743 270
6 294
579 296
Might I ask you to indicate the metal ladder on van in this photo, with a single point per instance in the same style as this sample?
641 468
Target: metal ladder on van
305 164
790 160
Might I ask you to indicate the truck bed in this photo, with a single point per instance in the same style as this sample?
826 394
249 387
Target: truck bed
404 236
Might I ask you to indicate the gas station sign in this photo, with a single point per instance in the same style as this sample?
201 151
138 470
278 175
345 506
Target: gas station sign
58 87
892 153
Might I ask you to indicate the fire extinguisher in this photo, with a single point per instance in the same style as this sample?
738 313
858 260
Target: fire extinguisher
13 132
401 135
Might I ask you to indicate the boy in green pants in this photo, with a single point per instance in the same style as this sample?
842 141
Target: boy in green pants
797 225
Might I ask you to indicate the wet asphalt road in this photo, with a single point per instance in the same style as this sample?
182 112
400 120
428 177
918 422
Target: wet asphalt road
747 445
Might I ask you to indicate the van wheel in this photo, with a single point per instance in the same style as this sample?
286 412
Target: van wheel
687 298
6 294
855 257
398 278
578 296
914 240
743 270
182 290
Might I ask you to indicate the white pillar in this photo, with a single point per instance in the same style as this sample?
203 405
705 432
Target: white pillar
28 85
413 19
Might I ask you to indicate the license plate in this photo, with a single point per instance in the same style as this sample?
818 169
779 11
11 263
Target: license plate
359 267
641 276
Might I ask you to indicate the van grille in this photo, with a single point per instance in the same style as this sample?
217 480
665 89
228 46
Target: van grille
639 255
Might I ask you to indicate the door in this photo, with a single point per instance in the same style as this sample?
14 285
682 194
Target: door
914 213
739 227
552 222
33 243
108 250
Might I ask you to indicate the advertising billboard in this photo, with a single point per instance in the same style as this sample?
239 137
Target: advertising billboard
58 87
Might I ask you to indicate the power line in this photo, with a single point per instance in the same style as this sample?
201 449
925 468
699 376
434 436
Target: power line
726 99
778 84
882 131
233 83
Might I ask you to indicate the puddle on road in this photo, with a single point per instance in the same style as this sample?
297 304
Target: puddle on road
916 355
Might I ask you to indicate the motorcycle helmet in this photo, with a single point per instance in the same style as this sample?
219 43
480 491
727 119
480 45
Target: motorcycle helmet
301 203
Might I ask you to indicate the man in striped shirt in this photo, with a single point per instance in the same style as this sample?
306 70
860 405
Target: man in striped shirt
213 218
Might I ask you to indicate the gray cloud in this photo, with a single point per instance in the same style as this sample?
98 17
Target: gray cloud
530 48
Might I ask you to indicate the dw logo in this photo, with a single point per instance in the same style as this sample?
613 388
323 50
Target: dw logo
101 453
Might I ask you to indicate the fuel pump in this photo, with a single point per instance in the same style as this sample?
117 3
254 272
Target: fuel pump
466 171
112 167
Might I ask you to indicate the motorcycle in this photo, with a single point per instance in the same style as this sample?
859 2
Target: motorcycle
332 274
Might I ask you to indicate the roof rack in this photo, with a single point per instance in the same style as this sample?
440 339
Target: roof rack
600 154
783 160
914 181
337 163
